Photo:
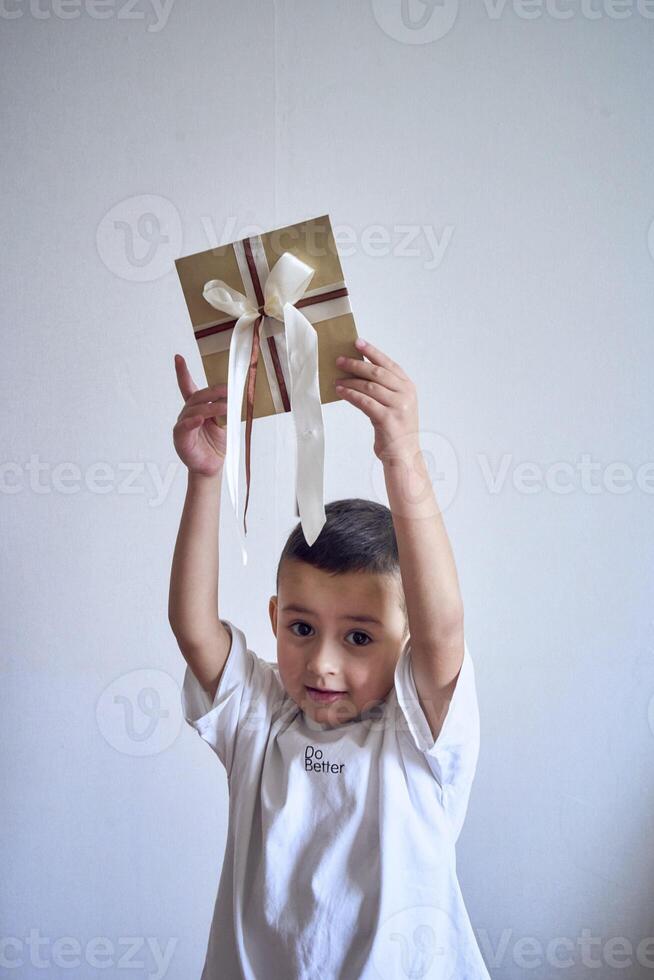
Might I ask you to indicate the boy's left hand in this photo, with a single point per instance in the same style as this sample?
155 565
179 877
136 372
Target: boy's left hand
386 394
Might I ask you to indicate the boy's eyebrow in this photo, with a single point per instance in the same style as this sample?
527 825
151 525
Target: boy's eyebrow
356 619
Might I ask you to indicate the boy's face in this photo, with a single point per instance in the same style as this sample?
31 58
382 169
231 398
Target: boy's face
326 647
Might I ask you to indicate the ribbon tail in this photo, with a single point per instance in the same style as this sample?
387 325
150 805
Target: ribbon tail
302 344
239 356
251 383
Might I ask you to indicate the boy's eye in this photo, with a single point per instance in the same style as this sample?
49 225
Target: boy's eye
299 624
358 633
364 635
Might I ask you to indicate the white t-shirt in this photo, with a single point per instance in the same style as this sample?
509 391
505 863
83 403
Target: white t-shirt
340 855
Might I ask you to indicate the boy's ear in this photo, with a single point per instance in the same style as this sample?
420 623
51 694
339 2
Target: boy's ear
272 609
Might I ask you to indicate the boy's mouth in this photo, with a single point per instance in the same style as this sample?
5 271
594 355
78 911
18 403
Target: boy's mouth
323 696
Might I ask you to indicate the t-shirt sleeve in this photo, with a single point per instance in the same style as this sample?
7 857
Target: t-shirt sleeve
452 757
245 701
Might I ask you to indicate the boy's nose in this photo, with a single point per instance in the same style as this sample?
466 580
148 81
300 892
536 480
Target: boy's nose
322 664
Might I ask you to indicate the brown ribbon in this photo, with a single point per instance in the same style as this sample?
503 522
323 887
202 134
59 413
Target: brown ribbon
251 382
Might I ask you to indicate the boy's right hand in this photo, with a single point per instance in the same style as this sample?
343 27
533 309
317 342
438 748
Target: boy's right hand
199 439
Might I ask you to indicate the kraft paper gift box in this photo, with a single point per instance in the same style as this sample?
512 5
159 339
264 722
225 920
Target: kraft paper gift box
280 298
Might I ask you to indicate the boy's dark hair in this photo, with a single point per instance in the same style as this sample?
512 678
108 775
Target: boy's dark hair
358 536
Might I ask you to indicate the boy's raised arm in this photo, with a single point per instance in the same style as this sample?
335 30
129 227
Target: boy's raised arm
193 598
386 394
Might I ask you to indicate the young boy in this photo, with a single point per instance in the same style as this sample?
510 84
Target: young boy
350 760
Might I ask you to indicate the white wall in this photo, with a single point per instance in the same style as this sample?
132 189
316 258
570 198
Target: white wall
523 144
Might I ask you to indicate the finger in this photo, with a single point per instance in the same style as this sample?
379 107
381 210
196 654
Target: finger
374 372
186 383
188 423
210 394
204 411
377 356
368 406
380 393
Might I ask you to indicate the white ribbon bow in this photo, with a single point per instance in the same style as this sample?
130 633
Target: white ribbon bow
286 283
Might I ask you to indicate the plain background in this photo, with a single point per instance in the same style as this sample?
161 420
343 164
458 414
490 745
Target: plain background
520 141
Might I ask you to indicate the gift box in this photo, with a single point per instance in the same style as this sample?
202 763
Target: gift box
278 298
